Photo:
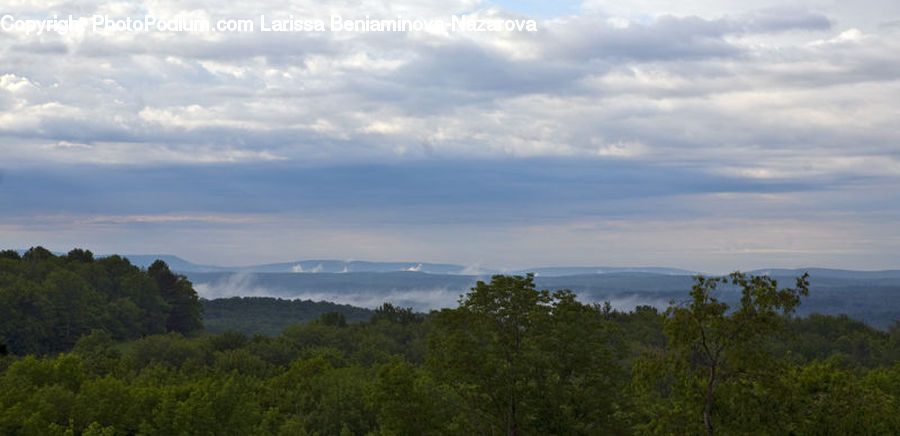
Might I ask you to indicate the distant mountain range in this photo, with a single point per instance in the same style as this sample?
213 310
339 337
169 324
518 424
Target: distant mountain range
870 296
337 266
873 300
891 274
304 266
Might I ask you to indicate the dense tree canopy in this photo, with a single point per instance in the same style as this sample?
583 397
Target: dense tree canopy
509 359
713 348
47 302
176 290
521 362
270 316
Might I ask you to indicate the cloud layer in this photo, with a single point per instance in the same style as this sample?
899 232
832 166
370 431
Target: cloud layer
682 124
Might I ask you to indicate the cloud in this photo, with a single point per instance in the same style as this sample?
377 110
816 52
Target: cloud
630 302
639 110
247 285
163 219
783 19
244 97
423 300
233 285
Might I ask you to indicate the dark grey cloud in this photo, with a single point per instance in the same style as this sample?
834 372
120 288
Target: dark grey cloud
783 19
619 125
483 191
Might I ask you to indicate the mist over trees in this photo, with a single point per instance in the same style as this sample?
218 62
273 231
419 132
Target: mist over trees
101 347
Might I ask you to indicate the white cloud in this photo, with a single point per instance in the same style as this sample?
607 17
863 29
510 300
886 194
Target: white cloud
15 84
663 86
803 91
849 37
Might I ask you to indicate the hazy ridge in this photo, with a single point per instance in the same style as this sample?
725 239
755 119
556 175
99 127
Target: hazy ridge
863 295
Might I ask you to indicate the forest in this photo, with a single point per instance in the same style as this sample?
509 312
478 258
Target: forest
98 346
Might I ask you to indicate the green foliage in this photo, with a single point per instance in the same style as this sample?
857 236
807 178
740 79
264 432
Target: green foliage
184 305
404 397
270 316
97 351
830 337
334 319
828 399
510 359
48 302
718 359
525 361
399 315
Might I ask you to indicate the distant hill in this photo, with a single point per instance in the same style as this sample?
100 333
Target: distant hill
830 273
870 296
175 263
270 316
338 266
873 298
580 270
301 266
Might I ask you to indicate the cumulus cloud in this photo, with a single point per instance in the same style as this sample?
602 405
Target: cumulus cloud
258 96
656 102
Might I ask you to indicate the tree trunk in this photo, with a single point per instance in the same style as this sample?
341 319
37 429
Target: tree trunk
512 427
710 392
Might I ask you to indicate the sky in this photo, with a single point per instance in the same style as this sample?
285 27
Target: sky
706 135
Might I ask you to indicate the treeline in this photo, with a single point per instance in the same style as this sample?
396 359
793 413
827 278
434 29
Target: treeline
270 316
509 359
47 302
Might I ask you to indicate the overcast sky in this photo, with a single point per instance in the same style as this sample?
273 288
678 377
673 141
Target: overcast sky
708 135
